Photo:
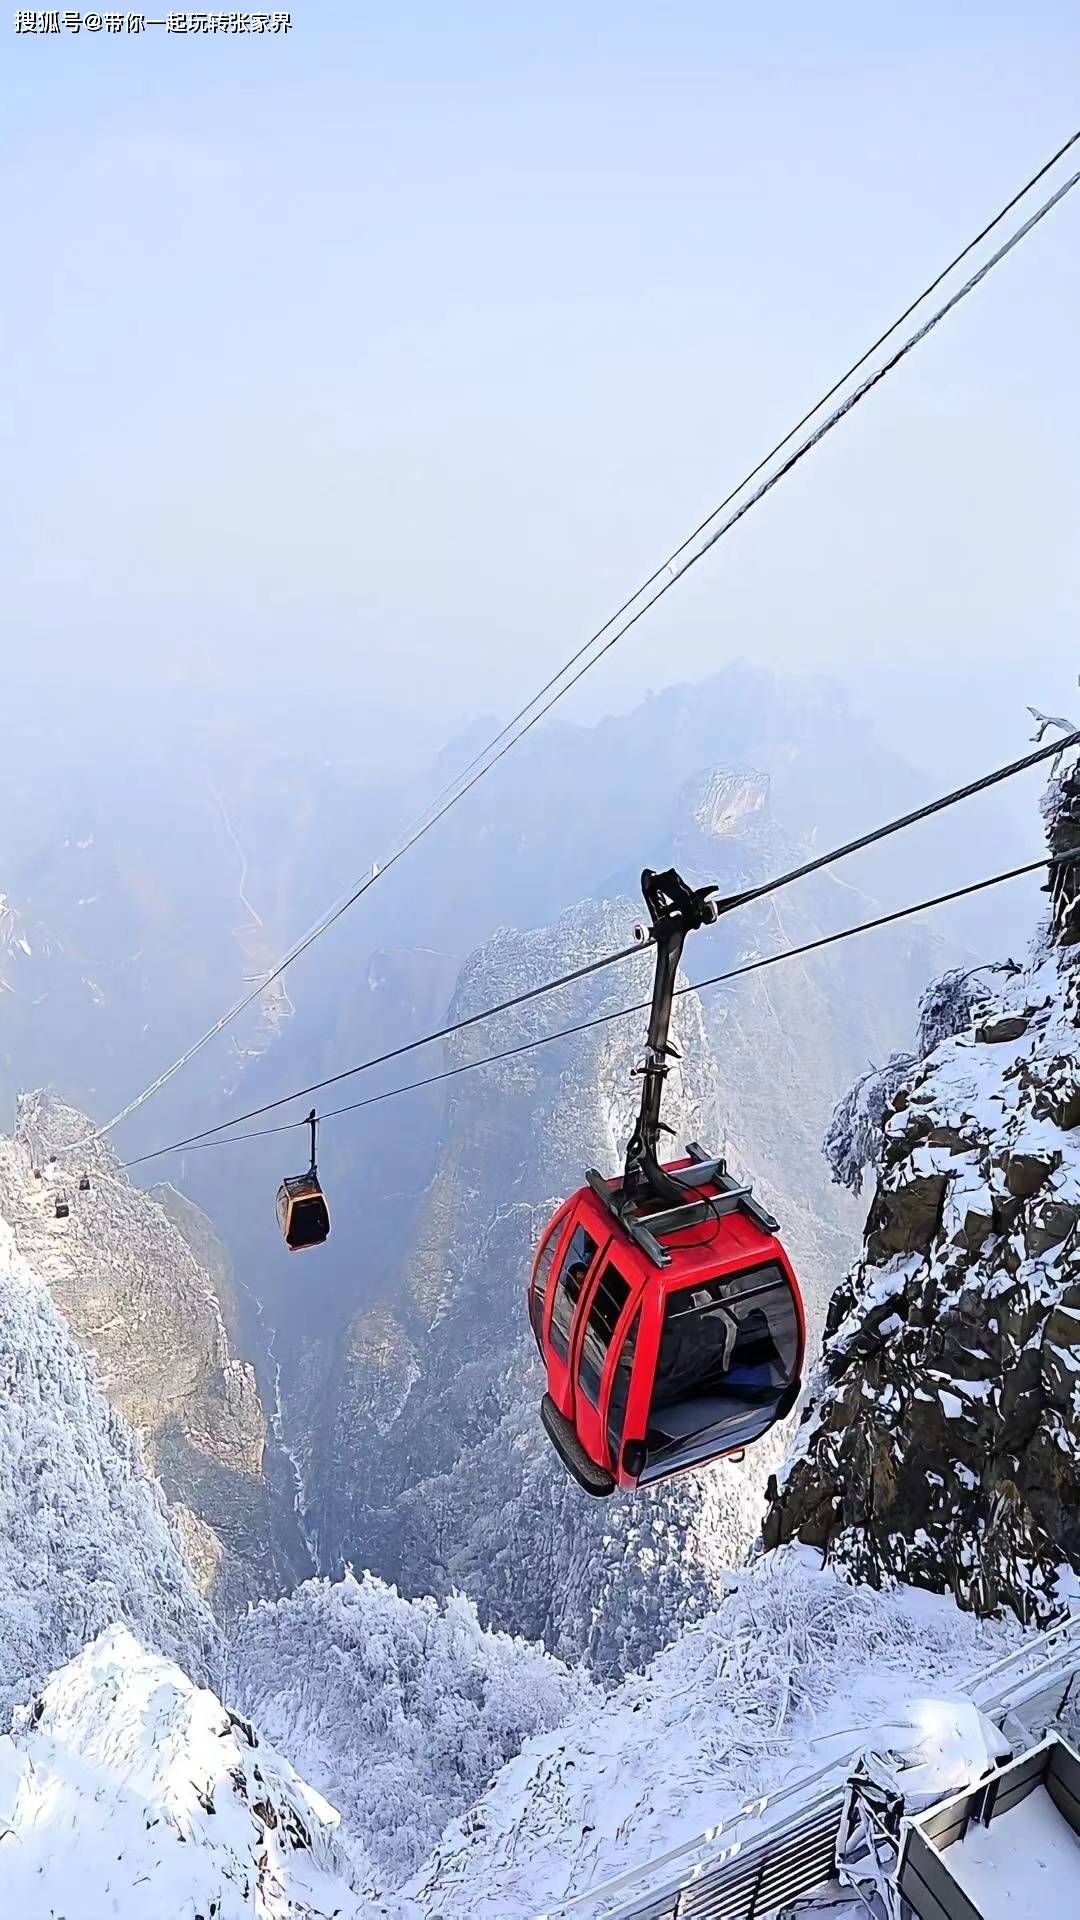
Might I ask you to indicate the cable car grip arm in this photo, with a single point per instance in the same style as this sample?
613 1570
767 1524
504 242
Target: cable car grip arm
675 909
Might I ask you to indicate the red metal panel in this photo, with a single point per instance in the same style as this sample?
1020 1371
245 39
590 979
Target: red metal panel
734 1244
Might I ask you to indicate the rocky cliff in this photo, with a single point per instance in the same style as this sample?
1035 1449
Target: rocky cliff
139 1299
942 1442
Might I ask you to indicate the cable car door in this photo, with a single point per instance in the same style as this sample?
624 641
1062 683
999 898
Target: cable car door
609 1308
545 1261
573 1271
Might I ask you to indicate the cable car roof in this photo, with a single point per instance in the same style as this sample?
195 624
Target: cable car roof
727 1243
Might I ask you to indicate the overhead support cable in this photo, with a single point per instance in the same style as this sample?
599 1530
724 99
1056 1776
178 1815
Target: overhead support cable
856 366
667 574
199 1143
1049 750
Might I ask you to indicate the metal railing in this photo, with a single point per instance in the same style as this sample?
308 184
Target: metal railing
781 1847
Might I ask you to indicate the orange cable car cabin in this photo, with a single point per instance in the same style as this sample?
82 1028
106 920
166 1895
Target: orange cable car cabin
303 1215
666 1311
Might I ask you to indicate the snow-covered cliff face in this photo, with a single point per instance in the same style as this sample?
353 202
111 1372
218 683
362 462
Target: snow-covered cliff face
138 1299
942 1445
85 1536
729 800
126 1790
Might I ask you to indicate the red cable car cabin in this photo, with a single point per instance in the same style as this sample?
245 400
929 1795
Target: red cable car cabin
665 1309
653 1370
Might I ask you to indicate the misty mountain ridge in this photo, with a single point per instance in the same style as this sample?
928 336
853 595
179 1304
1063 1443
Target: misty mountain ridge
249 824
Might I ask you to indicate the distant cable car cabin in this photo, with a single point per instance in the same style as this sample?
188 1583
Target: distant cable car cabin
665 1309
303 1215
84 1183
62 1210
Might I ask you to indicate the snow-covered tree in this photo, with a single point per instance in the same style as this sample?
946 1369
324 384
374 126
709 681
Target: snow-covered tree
783 1674
950 1005
855 1134
399 1711
85 1535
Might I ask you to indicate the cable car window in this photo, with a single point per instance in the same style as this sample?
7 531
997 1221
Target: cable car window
726 1356
620 1388
611 1296
540 1282
579 1254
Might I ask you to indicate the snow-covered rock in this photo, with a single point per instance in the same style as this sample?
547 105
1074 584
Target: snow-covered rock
942 1442
400 1711
127 1791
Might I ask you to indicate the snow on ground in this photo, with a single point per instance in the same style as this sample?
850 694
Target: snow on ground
1023 1866
127 1792
781 1679
401 1711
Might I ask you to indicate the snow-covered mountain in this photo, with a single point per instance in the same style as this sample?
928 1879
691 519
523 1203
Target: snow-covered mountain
127 1791
142 1302
408 1397
942 1443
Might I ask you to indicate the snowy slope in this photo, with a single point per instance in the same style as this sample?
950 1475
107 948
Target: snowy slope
127 1792
400 1711
774 1683
85 1537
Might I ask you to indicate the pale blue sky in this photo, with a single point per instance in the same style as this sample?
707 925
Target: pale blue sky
400 348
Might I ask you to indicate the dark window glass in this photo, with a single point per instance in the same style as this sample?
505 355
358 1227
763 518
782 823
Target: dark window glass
727 1352
575 1266
620 1390
540 1283
611 1296
309 1223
